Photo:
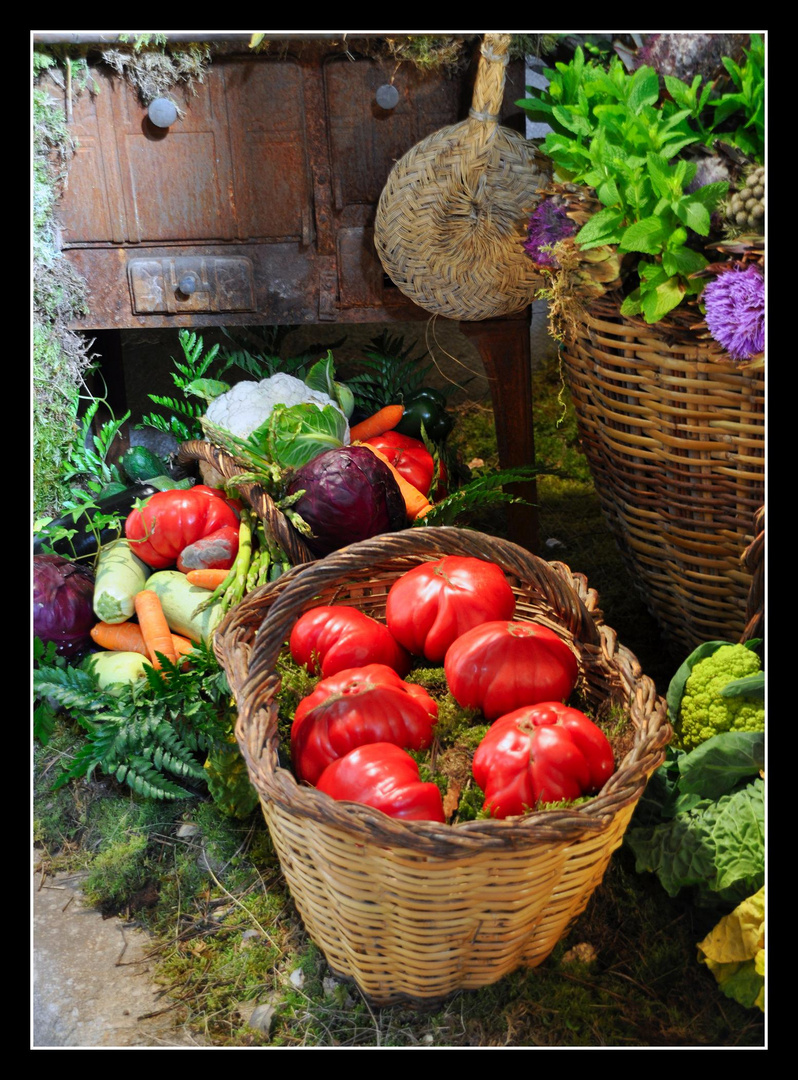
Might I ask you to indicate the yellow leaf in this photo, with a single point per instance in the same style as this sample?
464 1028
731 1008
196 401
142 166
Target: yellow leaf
738 936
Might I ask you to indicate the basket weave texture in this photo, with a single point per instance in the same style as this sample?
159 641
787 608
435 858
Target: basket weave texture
284 533
413 911
451 219
675 440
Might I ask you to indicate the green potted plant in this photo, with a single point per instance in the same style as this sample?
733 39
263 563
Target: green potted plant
651 241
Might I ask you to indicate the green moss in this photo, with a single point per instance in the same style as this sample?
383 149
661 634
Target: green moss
117 873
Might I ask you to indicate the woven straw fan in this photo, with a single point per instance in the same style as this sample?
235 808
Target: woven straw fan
451 220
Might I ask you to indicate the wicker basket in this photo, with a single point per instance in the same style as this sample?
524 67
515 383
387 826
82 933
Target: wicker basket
674 434
413 911
451 219
283 532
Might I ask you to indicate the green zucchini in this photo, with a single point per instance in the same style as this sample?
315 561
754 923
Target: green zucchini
180 600
119 576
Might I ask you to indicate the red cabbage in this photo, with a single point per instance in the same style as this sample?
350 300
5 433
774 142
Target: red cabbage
349 495
62 604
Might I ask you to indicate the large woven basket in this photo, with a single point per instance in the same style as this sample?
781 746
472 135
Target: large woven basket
674 434
451 219
413 911
225 465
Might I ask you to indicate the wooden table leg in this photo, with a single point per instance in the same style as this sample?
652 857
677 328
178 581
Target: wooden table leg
504 346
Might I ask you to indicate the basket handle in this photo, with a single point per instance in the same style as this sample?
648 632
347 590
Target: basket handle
283 532
489 85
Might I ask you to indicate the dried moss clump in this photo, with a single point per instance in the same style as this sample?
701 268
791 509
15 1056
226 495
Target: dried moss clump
154 68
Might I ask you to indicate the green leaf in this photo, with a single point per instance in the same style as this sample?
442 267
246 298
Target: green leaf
207 389
694 215
632 304
298 433
717 765
657 300
572 121
752 686
683 261
322 376
644 89
602 228
648 236
717 847
661 175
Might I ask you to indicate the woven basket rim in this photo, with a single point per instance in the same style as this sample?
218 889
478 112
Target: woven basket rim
684 326
286 599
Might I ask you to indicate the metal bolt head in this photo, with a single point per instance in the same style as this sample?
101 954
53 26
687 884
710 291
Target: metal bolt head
162 112
387 96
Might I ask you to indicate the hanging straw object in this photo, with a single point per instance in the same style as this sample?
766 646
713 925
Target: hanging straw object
451 220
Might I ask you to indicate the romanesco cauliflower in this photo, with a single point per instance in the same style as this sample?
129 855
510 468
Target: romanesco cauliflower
703 712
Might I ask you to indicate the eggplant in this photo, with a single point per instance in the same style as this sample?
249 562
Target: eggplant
85 542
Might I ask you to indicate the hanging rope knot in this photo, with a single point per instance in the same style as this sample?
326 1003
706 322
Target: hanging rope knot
485 117
493 56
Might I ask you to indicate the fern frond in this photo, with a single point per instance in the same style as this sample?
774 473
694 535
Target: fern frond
146 781
72 688
391 373
480 494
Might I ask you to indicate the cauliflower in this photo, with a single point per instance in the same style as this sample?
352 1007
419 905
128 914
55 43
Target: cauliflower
247 405
703 712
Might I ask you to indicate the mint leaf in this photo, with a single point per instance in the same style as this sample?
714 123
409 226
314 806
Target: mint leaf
603 228
644 89
694 215
647 236
658 300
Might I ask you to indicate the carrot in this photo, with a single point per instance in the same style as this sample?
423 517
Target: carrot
119 637
183 645
127 637
378 423
154 627
206 579
416 503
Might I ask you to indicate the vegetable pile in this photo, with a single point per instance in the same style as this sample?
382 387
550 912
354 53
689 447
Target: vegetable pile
700 825
371 722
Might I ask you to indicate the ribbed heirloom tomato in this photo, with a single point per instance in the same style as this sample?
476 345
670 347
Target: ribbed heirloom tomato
501 665
330 638
541 753
169 521
436 602
357 706
386 777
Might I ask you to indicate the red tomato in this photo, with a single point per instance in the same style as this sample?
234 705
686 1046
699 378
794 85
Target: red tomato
169 521
386 777
410 457
356 706
541 753
431 605
500 666
331 638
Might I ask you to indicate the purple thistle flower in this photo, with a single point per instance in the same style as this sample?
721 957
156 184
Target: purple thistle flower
548 224
735 311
